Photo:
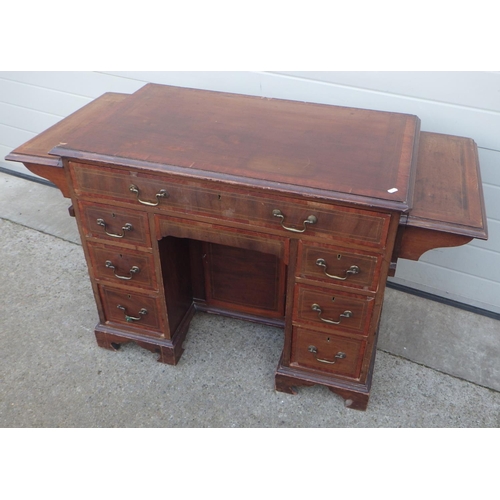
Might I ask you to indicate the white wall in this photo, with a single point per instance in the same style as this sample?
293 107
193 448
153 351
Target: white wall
458 103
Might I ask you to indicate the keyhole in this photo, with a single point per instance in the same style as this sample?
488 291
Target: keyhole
113 215
339 256
333 298
328 339
128 296
219 197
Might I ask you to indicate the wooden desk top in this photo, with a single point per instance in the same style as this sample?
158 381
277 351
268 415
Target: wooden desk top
37 149
447 192
332 152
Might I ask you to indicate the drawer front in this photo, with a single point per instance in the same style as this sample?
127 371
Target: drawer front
315 220
132 309
124 267
208 199
338 266
327 353
332 310
115 225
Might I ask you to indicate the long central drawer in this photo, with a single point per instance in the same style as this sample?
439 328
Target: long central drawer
302 218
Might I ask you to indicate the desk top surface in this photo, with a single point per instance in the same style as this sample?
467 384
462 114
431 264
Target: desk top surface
346 153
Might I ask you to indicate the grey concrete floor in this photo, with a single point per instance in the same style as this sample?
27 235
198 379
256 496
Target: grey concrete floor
53 374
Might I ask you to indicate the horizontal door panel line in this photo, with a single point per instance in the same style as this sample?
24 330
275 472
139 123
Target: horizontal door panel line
118 74
7 147
13 104
433 86
385 94
475 247
31 109
494 186
18 82
489 149
15 134
492 219
88 83
7 125
396 285
457 272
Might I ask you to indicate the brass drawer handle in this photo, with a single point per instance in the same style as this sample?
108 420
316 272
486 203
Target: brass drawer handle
133 270
345 314
312 219
128 318
161 194
314 350
351 270
126 227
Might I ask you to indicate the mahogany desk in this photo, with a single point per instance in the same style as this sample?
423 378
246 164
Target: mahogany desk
286 213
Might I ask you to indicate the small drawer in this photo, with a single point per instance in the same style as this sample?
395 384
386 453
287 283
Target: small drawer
323 221
332 310
327 353
219 201
132 309
123 185
115 225
338 266
125 267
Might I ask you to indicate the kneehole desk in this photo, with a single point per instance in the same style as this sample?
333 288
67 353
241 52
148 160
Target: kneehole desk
286 213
